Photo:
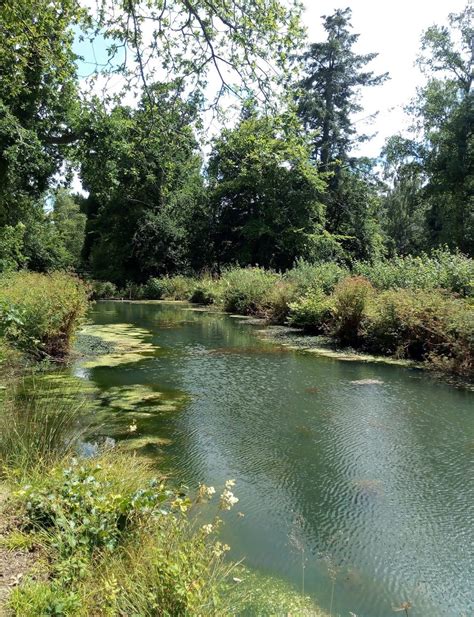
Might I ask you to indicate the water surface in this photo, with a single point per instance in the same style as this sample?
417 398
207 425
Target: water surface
369 486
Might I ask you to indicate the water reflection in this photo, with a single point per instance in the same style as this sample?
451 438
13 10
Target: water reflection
355 480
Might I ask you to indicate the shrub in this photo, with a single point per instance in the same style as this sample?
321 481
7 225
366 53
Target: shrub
443 269
350 299
39 313
247 290
86 508
307 276
281 296
103 290
207 291
133 291
177 287
312 312
423 325
154 289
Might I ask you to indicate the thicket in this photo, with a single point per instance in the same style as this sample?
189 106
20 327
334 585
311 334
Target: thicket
415 308
39 313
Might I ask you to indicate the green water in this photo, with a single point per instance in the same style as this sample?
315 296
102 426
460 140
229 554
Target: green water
371 485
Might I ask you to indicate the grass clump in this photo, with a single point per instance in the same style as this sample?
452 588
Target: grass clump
38 427
350 302
247 290
39 313
119 542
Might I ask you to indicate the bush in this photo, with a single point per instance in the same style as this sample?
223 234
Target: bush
247 291
423 325
154 289
207 291
312 313
133 291
39 313
307 276
103 290
451 271
177 287
350 299
282 294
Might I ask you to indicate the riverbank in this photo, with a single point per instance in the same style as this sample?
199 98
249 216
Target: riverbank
396 311
103 534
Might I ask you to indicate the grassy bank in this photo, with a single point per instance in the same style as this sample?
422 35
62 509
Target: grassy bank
103 534
40 313
410 308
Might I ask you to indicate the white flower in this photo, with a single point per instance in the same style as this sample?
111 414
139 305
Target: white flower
208 529
205 492
133 427
228 499
230 483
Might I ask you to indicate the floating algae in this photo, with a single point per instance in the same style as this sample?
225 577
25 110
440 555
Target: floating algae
138 398
125 343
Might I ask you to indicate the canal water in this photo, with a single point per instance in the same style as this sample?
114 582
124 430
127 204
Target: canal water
354 479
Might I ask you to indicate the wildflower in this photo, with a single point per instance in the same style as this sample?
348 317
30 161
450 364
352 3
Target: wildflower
208 529
133 427
219 549
205 492
228 499
229 484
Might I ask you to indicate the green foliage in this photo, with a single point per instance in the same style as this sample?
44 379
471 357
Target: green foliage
207 291
38 428
177 287
329 98
247 290
103 290
38 99
70 224
308 276
85 510
442 269
11 247
423 325
350 303
40 313
142 170
312 312
264 194
434 175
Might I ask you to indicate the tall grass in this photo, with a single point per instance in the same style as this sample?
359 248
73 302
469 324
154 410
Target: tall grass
38 426
39 313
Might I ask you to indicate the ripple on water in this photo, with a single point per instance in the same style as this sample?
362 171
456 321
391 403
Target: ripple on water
366 468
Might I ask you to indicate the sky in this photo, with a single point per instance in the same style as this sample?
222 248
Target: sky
393 29
390 28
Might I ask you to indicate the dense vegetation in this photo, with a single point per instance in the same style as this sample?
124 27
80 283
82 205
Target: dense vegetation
275 216
280 183
414 308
